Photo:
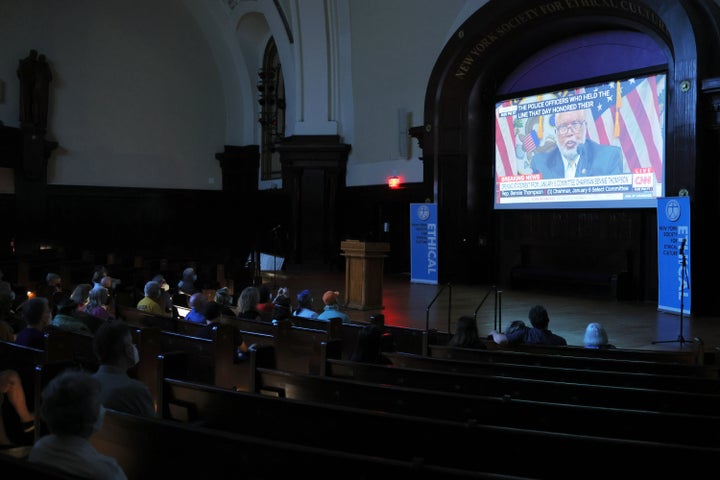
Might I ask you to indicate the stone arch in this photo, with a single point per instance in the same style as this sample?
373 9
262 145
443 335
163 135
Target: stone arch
485 51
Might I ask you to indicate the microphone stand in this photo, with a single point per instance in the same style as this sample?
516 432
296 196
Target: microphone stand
427 310
684 281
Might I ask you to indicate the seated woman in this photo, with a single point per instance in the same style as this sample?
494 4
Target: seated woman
369 346
466 334
247 304
98 303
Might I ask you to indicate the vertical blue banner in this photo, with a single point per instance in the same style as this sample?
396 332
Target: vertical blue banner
673 219
423 243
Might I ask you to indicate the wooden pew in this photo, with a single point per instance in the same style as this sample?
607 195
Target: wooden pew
406 339
23 360
397 436
692 357
297 349
578 393
29 363
681 383
586 362
149 448
62 345
510 412
213 361
139 318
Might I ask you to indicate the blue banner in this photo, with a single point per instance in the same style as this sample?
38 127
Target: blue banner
673 219
423 243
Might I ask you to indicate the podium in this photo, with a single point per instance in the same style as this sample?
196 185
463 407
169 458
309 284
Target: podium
364 273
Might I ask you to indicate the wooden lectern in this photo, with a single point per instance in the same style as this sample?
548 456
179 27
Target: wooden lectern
364 273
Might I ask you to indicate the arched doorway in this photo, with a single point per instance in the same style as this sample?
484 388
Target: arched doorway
484 57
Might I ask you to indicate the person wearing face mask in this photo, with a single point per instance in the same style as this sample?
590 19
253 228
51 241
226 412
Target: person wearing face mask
72 409
116 353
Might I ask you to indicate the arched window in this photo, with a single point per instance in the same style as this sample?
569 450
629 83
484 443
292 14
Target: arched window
272 112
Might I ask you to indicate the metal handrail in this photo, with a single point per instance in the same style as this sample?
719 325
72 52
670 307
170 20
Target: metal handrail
427 311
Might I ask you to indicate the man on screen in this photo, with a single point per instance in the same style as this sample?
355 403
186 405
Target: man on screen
575 155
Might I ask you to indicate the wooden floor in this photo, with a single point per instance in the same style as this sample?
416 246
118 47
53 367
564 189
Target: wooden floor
629 324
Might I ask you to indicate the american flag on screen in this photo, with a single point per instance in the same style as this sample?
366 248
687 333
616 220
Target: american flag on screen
628 113
633 118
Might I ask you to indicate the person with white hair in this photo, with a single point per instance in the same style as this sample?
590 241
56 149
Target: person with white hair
98 303
596 336
73 411
150 303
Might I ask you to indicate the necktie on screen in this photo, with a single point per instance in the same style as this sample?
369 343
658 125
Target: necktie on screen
570 170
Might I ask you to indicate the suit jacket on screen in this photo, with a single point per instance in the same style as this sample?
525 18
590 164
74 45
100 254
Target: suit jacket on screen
595 160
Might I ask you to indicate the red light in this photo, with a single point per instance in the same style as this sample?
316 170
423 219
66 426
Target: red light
393 182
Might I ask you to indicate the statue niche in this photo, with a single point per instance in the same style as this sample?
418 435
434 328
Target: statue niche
35 76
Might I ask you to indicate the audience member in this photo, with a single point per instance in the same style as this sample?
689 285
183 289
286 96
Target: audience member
596 337
368 348
101 277
52 284
332 309
166 301
282 310
223 297
37 315
304 306
98 303
537 334
265 305
247 304
197 304
214 317
116 353
11 387
150 302
282 292
515 325
73 411
51 289
187 284
64 318
81 294
466 334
